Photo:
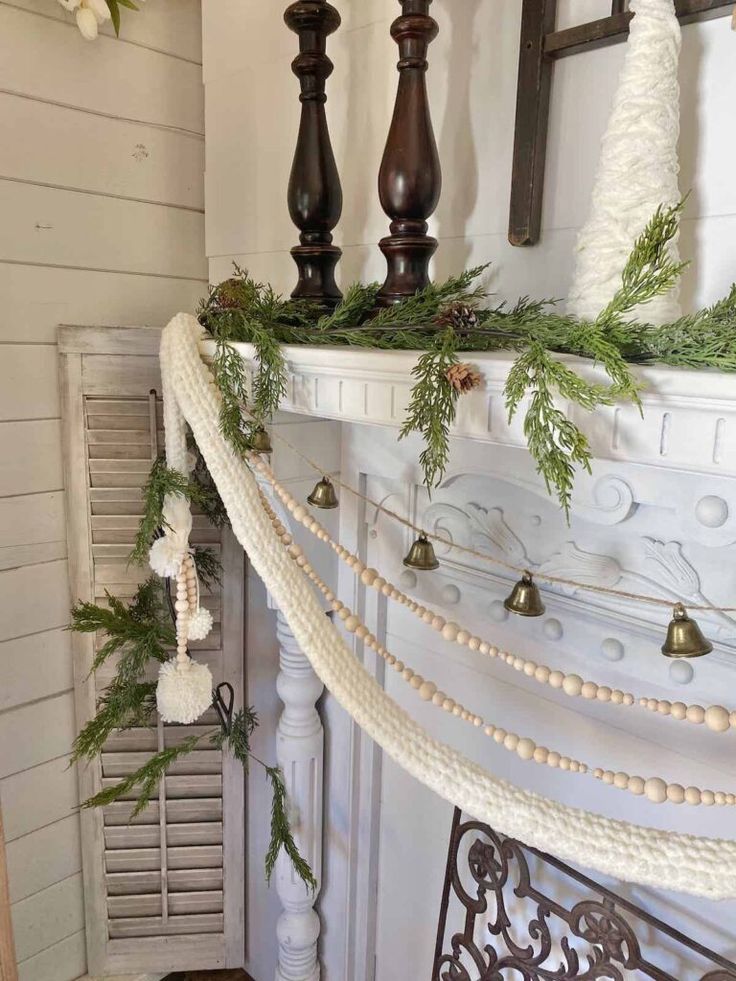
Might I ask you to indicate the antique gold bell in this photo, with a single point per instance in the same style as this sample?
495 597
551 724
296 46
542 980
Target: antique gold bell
261 440
525 599
323 495
684 636
421 555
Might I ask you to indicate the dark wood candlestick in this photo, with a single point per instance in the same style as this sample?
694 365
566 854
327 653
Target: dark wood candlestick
315 194
410 178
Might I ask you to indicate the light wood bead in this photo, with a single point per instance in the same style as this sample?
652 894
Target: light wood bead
720 798
463 636
664 707
529 668
416 682
295 550
438 623
553 758
489 730
474 643
572 684
344 613
358 567
540 754
287 539
717 718
589 690
525 748
390 659
696 714
508 658
465 715
542 674
428 616
617 696
598 773
656 790
181 648
398 666
485 647
556 679
608 776
707 797
477 721
407 674
499 735
518 664
343 553
636 785
457 710
438 698
362 632
299 512
733 720
448 705
678 711
574 766
565 762
493 651
449 631
378 583
621 780
337 605
628 699
603 694
583 767
511 741
351 623
427 690
387 589
675 793
181 606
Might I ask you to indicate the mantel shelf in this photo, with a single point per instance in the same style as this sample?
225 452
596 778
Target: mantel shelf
689 416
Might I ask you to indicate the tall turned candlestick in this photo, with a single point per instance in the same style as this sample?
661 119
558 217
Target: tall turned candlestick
410 178
315 194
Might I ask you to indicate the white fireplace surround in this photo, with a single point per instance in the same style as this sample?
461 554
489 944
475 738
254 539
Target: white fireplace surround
657 516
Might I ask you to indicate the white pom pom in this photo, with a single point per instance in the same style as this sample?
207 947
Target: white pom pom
184 691
166 556
200 624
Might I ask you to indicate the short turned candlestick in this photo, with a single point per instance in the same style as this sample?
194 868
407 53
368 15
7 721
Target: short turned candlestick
315 194
410 178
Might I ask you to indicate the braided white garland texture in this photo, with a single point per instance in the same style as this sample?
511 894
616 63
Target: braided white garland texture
700 866
638 167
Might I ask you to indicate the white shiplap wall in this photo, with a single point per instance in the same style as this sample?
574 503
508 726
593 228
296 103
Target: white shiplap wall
101 198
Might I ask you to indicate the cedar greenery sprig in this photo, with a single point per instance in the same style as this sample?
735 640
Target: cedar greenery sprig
145 780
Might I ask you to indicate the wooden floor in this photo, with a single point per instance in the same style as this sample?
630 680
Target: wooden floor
210 976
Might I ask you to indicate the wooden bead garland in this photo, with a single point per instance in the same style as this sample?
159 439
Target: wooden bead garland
716 717
655 789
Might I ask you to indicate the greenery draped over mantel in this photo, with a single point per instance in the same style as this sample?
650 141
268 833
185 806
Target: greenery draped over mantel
451 318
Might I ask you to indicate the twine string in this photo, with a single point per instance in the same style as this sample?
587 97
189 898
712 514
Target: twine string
494 560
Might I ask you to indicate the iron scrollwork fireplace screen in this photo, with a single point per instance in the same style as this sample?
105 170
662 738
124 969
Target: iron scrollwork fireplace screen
500 893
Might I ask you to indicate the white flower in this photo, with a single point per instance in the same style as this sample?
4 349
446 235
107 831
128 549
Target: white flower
89 13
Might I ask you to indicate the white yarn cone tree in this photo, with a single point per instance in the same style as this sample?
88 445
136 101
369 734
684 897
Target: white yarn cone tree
638 167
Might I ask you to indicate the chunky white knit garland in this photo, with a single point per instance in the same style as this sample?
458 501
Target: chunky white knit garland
638 166
700 866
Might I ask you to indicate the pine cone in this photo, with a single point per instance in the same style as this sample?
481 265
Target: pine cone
459 316
463 377
228 294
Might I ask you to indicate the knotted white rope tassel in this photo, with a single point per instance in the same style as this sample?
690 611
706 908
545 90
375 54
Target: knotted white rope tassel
638 166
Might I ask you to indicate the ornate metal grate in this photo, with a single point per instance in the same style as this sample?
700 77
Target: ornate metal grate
513 929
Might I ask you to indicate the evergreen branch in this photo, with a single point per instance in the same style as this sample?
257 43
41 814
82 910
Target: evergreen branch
146 779
161 481
432 407
281 834
209 567
123 705
242 726
227 367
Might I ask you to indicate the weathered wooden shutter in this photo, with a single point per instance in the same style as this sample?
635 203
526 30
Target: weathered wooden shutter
165 891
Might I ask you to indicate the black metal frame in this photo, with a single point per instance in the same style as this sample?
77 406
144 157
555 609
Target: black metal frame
495 872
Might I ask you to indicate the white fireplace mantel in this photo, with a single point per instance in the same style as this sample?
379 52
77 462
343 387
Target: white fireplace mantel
689 417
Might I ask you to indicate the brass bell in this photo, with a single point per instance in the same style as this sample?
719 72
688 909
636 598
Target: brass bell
261 440
684 636
323 495
421 555
525 599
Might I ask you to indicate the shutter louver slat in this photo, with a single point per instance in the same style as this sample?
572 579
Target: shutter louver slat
162 897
